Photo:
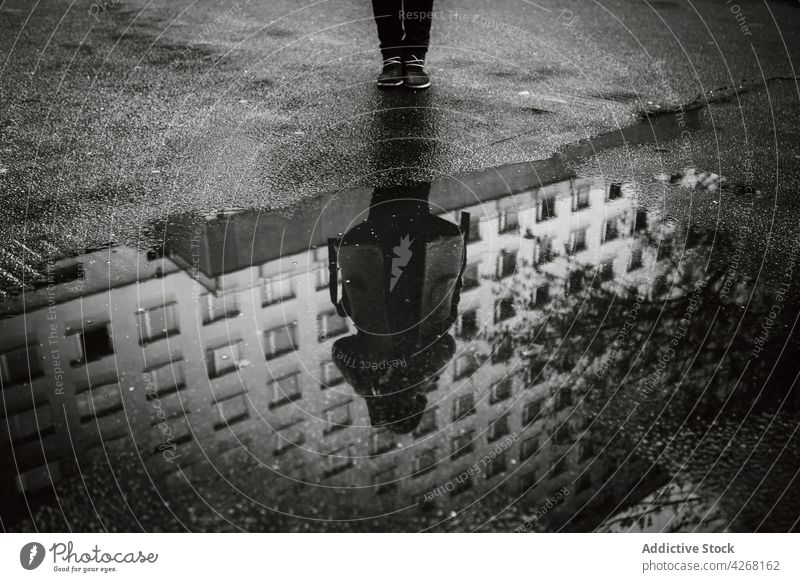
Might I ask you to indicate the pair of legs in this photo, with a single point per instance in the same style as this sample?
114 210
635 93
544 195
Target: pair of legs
404 27
404 31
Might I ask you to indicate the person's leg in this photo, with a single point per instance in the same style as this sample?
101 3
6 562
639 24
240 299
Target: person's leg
390 26
390 35
417 25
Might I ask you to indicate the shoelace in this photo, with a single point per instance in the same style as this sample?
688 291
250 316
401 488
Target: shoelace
415 62
391 61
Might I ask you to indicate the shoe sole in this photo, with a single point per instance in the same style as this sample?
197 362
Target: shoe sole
389 83
428 84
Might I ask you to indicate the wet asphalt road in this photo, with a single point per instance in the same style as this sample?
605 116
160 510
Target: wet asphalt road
112 117
708 442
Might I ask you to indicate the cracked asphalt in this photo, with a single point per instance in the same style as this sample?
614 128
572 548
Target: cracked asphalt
113 116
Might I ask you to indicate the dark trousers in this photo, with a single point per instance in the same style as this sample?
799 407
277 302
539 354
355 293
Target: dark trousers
404 27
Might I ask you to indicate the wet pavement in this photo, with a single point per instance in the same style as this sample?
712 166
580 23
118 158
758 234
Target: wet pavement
535 347
243 289
111 120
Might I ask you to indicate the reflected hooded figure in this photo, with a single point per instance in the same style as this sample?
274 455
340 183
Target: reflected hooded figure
401 272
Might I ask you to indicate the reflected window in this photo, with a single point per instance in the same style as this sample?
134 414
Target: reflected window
215 308
284 390
508 220
461 482
502 350
462 444
468 324
38 478
635 261
320 254
610 230
641 220
330 375
337 417
322 277
157 323
538 370
576 242
385 480
471 278
614 192
504 309
280 340
30 425
98 402
288 438
331 324
528 447
94 344
506 264
574 281
465 365
544 250
545 208
423 462
70 272
607 270
232 411
181 436
531 412
425 501
501 391
474 229
223 359
276 289
541 295
580 198
165 379
560 434
381 441
20 365
496 465
463 406
338 460
498 428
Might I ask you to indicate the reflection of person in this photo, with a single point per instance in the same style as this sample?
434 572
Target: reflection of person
401 275
404 31
394 388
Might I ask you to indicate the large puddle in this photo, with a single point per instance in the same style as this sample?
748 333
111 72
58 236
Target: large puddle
523 349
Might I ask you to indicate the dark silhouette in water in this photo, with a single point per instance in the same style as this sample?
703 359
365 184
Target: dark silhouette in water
401 282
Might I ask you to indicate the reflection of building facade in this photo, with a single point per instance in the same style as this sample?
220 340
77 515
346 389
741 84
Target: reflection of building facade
222 350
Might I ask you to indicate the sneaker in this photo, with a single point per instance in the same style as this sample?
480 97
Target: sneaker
392 73
416 77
